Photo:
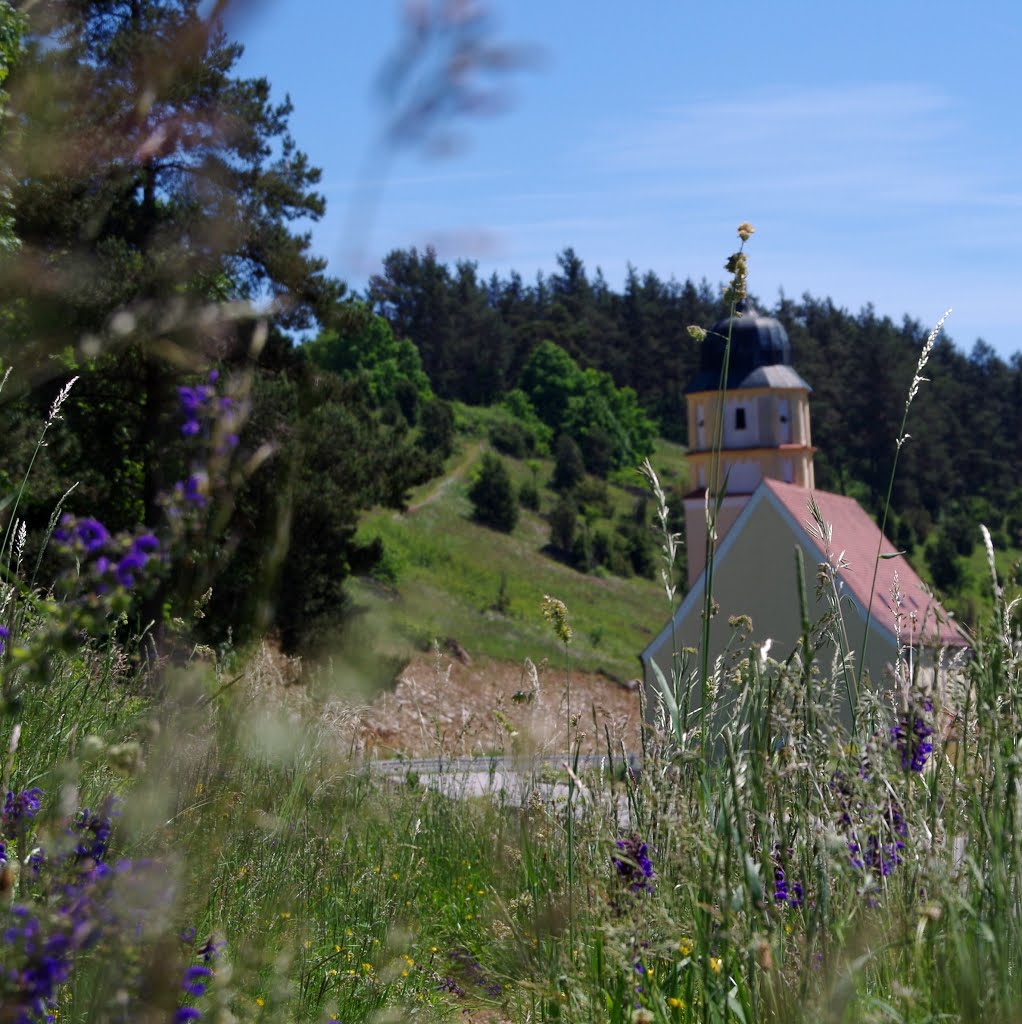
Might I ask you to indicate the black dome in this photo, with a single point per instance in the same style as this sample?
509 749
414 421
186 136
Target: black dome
756 340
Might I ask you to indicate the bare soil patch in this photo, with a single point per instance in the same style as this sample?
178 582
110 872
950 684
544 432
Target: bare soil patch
446 705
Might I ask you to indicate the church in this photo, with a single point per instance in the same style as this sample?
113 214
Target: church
764 483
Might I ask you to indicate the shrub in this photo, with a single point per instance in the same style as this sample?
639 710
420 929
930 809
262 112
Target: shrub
436 425
528 495
569 467
563 520
493 496
514 439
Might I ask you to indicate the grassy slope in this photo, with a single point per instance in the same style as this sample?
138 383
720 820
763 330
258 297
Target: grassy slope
449 575
973 604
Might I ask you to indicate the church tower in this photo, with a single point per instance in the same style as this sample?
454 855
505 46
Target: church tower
765 424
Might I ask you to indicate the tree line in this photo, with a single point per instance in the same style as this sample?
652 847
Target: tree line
150 196
477 335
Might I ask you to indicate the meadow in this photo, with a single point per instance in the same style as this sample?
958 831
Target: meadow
198 843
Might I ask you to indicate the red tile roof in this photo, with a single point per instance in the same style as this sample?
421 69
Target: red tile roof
856 537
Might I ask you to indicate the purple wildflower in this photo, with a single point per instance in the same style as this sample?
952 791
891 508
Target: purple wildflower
634 866
92 534
186 1013
196 488
131 563
20 809
5 635
146 543
210 950
911 736
785 892
91 832
196 978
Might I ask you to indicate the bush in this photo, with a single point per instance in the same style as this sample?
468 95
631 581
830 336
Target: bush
942 559
598 451
493 495
528 495
569 468
563 520
514 439
436 422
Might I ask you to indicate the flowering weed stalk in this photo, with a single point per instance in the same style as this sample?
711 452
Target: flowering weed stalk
903 436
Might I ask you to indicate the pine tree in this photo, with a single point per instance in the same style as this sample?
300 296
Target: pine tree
493 497
149 182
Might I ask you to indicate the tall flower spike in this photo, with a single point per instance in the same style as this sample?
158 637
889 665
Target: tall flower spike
924 357
60 400
555 612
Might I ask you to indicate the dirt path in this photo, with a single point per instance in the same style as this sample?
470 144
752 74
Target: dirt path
456 474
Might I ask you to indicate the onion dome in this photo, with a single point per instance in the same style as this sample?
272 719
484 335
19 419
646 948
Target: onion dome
760 354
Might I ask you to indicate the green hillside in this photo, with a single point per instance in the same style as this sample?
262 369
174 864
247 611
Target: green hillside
445 576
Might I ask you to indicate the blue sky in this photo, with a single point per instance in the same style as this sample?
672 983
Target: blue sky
875 146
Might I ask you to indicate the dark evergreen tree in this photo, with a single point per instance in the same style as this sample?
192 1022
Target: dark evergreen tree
150 183
492 494
436 424
569 467
563 519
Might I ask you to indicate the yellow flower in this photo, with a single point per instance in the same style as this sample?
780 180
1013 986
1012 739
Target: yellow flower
395 875
285 914
676 1003
686 946
715 965
260 1001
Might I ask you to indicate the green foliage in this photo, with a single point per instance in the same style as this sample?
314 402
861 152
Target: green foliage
360 343
563 519
493 496
126 211
569 468
133 218
292 540
944 565
12 26
520 408
436 428
549 380
511 437
528 494
606 421
611 428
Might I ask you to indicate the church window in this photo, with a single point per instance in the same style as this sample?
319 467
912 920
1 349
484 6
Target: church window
739 418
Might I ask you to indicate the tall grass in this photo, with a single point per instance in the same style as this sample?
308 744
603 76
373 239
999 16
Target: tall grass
758 867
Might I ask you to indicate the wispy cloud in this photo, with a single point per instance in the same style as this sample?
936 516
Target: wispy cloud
885 143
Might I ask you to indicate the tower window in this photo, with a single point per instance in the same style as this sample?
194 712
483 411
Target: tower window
739 419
